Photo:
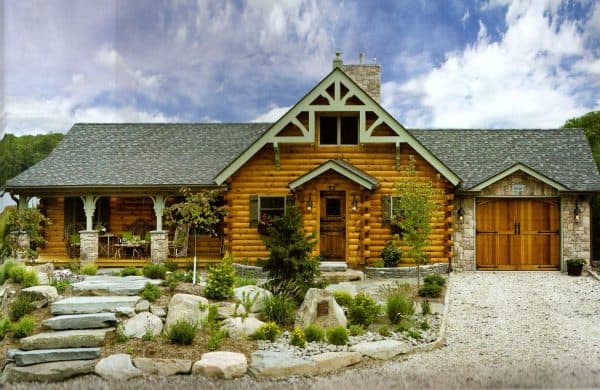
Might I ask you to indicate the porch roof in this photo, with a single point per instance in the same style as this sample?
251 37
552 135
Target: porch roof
343 168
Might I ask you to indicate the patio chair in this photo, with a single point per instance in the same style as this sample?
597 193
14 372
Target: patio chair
179 246
74 246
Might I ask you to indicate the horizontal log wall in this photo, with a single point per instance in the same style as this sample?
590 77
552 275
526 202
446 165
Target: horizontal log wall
366 234
56 242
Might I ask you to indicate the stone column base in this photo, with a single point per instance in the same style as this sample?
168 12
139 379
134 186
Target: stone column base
159 246
88 250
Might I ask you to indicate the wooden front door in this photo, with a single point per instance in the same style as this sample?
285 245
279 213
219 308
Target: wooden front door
333 225
518 234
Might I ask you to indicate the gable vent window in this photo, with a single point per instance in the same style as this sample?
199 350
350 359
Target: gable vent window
338 130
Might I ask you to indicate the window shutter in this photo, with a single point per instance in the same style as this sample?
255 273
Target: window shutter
253 210
386 207
289 201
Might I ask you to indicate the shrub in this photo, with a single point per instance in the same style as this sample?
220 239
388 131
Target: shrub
415 334
30 279
425 307
398 306
210 321
297 338
120 337
17 273
385 331
182 332
151 292
60 285
268 331
378 263
424 325
130 271
363 310
435 279
241 281
4 327
343 298
5 270
88 269
216 339
21 306
148 336
404 325
154 271
314 333
356 330
280 309
24 327
170 265
390 254
395 288
430 290
337 335
219 282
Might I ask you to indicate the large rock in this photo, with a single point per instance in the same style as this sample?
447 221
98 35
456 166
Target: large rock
86 305
142 305
65 339
221 364
278 364
118 285
350 275
48 372
142 323
332 361
241 328
251 292
229 309
48 293
163 367
158 311
81 321
319 307
26 358
383 349
186 307
117 367
333 266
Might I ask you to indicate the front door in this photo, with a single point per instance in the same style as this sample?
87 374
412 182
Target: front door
333 225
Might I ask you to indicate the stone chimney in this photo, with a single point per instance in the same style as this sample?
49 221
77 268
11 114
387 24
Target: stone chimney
367 76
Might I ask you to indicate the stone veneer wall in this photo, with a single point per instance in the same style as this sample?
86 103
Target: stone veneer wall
464 236
576 238
368 77
88 250
406 272
159 246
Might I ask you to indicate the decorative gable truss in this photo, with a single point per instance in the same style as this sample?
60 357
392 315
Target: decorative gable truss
336 93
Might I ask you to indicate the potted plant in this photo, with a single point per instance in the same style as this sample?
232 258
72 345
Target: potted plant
575 266
263 225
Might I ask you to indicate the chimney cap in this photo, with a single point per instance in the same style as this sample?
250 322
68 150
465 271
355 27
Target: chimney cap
337 61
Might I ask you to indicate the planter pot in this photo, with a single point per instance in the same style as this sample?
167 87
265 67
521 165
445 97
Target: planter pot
574 269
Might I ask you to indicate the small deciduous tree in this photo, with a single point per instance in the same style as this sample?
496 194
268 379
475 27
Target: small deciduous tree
200 210
415 208
27 220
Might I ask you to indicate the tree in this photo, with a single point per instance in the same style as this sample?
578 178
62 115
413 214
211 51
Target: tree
200 210
27 220
415 207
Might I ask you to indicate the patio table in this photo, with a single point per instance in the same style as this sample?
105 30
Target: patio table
104 247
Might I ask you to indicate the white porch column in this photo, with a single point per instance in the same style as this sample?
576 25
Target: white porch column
89 206
159 209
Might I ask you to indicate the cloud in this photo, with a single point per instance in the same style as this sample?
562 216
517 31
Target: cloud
521 80
272 115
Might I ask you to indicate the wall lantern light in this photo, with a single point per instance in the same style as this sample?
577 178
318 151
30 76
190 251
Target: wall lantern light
461 213
309 203
577 212
354 203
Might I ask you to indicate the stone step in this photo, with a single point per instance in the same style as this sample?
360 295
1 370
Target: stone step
333 266
66 339
116 285
26 358
89 305
81 321
48 372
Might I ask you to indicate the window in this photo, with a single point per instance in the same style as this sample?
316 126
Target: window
333 207
395 203
338 130
271 206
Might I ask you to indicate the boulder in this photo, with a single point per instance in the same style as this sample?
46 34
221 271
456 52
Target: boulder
142 305
142 323
65 339
48 372
251 292
331 361
319 307
186 307
81 321
86 305
118 285
163 367
158 311
221 364
46 268
350 275
278 364
117 367
240 328
383 349
228 310
26 358
47 293
125 311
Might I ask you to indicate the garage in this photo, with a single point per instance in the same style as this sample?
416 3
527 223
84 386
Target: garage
517 234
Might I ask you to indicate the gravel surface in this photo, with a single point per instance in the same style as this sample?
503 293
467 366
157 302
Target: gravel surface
505 329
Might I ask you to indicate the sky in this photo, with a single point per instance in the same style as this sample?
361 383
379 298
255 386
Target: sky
445 63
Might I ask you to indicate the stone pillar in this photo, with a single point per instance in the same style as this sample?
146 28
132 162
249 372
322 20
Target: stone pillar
22 245
576 238
159 246
88 250
464 235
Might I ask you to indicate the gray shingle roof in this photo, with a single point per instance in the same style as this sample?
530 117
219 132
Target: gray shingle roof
562 155
362 174
141 154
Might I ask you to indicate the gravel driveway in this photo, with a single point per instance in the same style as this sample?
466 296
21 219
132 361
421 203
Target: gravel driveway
505 329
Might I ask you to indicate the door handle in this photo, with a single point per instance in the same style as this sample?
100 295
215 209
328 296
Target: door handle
519 228
515 228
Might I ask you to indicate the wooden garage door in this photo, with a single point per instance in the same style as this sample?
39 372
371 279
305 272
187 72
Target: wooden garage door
518 234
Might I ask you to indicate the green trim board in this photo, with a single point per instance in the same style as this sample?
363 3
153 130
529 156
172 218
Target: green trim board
336 102
343 168
516 168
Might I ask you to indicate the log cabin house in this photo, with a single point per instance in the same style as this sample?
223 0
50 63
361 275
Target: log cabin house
509 199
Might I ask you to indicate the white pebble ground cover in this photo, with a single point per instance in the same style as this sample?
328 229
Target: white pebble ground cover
505 329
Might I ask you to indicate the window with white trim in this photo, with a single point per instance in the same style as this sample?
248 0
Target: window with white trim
271 206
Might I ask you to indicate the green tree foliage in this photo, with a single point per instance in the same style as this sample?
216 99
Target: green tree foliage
415 207
29 220
201 210
590 123
19 153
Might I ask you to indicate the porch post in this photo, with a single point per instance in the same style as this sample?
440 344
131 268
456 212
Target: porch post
89 206
159 209
23 201
159 244
88 250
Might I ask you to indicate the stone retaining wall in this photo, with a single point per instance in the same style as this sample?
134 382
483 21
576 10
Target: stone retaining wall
405 272
250 271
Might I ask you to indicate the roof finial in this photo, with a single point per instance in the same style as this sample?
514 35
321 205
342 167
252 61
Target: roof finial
337 61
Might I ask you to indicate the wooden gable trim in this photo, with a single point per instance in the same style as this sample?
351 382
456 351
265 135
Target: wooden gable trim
515 168
368 184
336 103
